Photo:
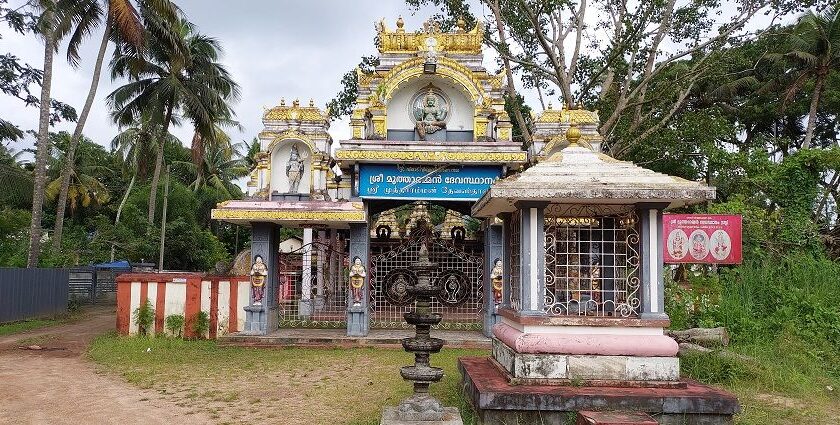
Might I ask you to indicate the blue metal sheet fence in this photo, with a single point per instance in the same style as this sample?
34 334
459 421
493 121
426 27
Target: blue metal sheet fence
29 293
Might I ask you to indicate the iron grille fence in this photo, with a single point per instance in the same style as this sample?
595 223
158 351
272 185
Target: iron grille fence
459 273
515 260
591 261
323 283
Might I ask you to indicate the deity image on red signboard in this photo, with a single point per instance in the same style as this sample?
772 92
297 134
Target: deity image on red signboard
721 245
677 244
699 246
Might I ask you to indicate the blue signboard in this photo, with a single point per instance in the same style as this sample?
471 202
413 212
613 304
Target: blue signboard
429 182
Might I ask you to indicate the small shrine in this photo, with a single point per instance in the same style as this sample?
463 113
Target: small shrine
582 305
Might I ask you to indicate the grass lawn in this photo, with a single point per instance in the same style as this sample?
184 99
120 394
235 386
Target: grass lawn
777 383
293 385
339 386
32 324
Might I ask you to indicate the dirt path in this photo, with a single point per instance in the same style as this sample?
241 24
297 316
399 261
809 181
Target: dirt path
57 385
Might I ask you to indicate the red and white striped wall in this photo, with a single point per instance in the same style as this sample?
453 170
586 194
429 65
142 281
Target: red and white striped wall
222 298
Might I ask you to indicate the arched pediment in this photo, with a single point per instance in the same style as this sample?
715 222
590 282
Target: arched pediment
292 135
446 68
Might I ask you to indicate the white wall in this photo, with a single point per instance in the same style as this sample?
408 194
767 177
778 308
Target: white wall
461 109
279 156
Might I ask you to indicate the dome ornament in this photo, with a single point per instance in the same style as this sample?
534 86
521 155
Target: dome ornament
573 135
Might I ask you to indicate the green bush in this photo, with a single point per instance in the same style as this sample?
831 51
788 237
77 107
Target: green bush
201 324
175 324
144 317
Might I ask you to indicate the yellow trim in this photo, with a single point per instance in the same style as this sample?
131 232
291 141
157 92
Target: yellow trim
244 214
427 156
446 67
400 41
293 135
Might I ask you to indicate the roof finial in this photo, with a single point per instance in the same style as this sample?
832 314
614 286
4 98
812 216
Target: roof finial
573 134
461 24
400 24
282 101
311 102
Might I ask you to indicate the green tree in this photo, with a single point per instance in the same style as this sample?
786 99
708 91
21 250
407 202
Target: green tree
172 82
121 21
85 188
811 53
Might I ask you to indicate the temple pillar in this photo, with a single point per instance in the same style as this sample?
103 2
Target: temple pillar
493 250
507 252
305 302
358 316
532 257
651 262
320 269
261 319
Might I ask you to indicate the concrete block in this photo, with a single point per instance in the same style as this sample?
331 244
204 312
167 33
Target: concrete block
451 416
597 367
545 366
653 368
504 355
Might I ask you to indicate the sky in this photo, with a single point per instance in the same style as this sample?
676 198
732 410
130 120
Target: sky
273 49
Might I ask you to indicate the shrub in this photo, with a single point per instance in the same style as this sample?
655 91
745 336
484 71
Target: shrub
144 317
201 324
175 324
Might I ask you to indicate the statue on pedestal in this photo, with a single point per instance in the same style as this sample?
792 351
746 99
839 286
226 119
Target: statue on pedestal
496 278
258 276
294 169
357 281
430 114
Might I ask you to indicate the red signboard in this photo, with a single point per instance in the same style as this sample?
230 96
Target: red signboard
702 238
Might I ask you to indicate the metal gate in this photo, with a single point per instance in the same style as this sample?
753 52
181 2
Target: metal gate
459 273
312 290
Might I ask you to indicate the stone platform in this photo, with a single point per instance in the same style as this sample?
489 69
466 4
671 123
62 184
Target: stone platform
337 338
496 401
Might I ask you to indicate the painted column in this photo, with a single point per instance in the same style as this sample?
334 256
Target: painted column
506 255
319 267
305 303
493 251
262 319
532 258
358 316
651 264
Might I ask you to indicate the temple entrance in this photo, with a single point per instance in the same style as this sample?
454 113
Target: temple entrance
453 243
312 291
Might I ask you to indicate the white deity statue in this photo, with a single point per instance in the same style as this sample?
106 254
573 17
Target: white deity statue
294 169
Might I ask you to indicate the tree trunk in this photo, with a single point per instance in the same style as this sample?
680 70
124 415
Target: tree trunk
122 204
158 165
69 163
517 112
711 337
43 145
812 113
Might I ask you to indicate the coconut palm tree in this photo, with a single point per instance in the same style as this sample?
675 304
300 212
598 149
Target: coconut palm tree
811 53
122 23
191 84
57 18
219 168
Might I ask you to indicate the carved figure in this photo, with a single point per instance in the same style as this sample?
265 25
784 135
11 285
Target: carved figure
497 277
294 169
357 281
258 275
430 116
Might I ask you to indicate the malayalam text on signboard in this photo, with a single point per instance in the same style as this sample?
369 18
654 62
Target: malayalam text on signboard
430 182
702 238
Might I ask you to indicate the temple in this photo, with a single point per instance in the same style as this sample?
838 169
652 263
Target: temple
553 251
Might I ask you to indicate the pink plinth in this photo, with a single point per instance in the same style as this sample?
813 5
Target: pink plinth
601 345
